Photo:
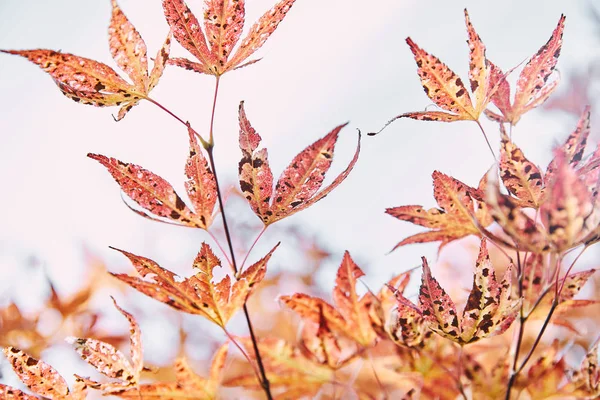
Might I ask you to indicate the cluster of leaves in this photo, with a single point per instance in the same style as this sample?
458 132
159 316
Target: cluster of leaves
374 345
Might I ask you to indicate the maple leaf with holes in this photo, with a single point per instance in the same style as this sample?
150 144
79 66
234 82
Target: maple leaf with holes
587 377
109 361
197 294
533 85
490 308
298 186
214 47
91 82
41 378
446 89
187 381
287 369
157 196
351 316
461 211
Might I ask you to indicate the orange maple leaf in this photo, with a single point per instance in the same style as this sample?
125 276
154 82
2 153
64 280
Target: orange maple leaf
91 82
223 25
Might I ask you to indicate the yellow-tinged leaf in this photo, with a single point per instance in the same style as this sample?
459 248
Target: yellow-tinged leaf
461 207
38 376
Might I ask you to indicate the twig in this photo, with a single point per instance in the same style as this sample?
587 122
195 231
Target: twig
487 140
252 246
264 381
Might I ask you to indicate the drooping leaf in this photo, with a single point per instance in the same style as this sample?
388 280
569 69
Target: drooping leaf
197 294
91 82
520 176
155 194
490 309
405 325
38 376
111 362
534 280
533 86
587 376
298 186
460 206
223 23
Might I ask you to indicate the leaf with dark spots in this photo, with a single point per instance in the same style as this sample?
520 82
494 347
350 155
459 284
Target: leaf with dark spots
150 191
41 378
489 311
91 82
215 48
461 209
201 185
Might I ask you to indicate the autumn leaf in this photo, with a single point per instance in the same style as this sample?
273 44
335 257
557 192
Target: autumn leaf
214 47
533 86
446 89
156 195
520 176
109 361
587 376
351 316
405 326
489 311
567 207
286 367
91 82
525 233
41 378
10 393
298 186
461 209
571 285
197 294
187 382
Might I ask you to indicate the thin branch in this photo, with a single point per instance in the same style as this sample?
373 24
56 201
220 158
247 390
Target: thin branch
211 141
186 124
487 140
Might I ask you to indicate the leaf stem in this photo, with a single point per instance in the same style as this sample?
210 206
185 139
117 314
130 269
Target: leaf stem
172 114
487 140
211 141
252 246
264 381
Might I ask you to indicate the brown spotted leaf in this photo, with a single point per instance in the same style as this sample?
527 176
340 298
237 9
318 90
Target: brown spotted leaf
255 176
520 176
460 206
533 86
38 376
479 75
405 325
10 393
111 362
201 185
298 186
489 311
587 376
525 233
151 192
534 280
567 207
91 82
574 147
223 23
